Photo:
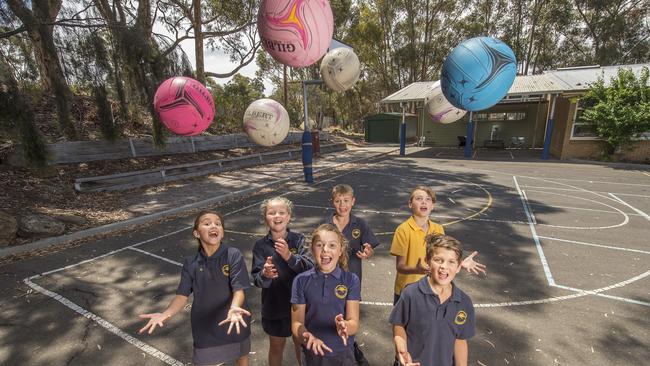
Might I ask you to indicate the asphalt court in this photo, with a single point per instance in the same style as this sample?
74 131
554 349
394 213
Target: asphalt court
566 248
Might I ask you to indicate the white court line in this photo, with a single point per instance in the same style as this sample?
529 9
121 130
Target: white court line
105 324
626 218
532 214
646 174
157 256
630 206
595 181
540 252
582 190
578 208
578 293
595 245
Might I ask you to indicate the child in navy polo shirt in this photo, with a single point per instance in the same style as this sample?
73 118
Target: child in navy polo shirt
217 276
361 239
325 303
277 258
433 318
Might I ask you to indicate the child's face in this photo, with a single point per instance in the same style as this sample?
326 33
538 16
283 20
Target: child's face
327 250
209 230
444 266
277 216
421 203
343 204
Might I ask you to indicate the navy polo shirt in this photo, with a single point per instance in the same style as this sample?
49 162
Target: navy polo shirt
325 295
432 328
213 280
357 232
276 293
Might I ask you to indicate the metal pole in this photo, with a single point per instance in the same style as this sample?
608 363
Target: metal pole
549 130
402 132
307 149
469 139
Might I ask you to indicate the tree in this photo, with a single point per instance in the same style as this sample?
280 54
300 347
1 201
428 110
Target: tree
39 24
620 111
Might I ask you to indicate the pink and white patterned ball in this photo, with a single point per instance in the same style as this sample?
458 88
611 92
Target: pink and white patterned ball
296 33
439 108
266 122
184 105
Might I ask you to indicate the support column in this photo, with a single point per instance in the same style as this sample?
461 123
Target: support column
549 129
402 132
469 138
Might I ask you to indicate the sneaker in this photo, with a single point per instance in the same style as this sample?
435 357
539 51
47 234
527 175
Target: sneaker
359 357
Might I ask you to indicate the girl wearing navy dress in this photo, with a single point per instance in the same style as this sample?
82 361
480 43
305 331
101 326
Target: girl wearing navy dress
217 277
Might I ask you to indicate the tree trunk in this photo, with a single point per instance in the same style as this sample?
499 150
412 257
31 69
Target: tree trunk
40 31
198 42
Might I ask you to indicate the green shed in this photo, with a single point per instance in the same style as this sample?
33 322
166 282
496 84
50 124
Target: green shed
384 127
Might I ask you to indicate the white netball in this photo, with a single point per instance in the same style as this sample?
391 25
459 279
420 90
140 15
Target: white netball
439 109
266 122
340 69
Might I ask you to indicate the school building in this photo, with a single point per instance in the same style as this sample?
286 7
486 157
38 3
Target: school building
538 110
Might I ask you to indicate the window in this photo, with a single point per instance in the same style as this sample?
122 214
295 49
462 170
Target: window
516 116
582 130
510 116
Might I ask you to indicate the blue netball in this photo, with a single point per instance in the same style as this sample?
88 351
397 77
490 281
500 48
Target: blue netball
478 73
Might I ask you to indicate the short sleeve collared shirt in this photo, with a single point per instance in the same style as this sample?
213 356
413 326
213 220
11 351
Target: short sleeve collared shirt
408 242
325 296
431 327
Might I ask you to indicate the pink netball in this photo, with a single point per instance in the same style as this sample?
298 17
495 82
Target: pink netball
184 106
296 33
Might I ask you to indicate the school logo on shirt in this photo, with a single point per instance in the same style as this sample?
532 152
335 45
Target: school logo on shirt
293 250
225 270
341 291
461 318
356 233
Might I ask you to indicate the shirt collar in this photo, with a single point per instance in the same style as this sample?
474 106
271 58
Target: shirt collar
353 219
425 288
336 273
269 236
414 225
222 248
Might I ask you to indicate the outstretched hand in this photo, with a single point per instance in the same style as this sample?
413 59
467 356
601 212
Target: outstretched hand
471 265
342 328
235 318
405 359
155 320
367 251
269 270
314 344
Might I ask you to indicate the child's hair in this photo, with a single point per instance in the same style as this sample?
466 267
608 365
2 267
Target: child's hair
197 222
341 189
437 241
343 260
428 190
265 205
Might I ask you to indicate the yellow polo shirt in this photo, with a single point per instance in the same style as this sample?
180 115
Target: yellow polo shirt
408 242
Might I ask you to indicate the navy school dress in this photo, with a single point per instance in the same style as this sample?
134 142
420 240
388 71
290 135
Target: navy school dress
213 280
276 293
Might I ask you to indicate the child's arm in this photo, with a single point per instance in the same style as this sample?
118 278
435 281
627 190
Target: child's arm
400 339
158 319
236 313
299 331
297 262
461 351
403 268
471 265
369 241
348 326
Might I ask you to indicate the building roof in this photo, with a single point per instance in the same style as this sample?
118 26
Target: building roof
558 81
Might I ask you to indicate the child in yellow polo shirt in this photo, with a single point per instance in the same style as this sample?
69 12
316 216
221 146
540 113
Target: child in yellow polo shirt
409 247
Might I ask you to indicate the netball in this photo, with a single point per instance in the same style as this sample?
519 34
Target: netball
478 73
296 33
184 106
340 69
439 108
266 122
